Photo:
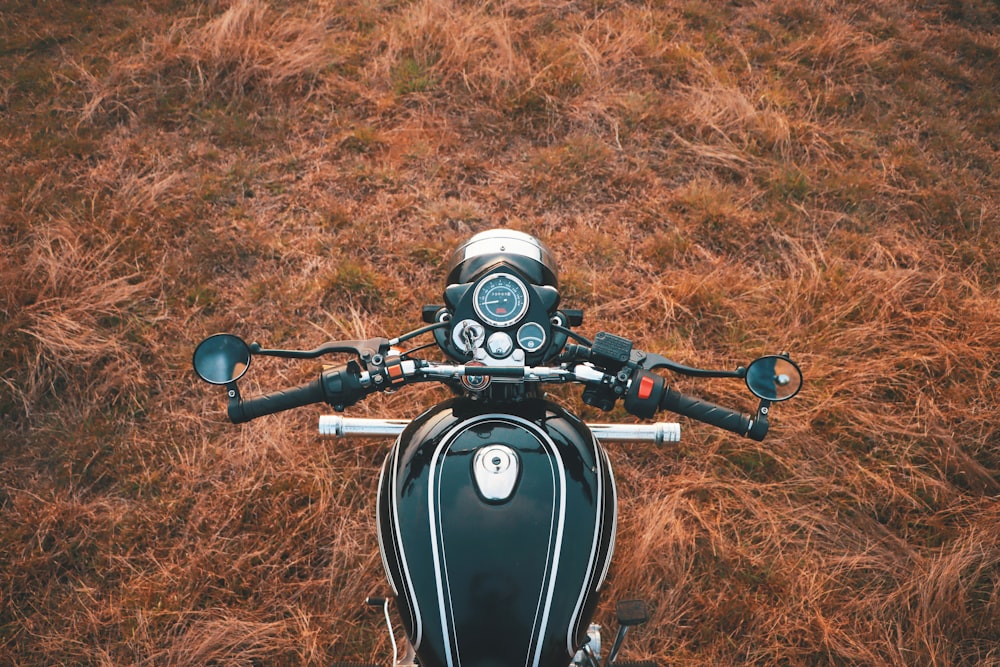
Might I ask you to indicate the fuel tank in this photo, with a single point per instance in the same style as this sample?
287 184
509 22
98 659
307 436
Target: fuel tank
496 531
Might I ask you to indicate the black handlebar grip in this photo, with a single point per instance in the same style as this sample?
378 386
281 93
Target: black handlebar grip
703 411
243 411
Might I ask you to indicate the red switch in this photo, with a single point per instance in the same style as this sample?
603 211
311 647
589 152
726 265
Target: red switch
646 385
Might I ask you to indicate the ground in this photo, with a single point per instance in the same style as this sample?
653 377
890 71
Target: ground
717 181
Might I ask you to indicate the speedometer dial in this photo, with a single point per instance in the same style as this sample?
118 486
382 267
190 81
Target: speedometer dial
501 300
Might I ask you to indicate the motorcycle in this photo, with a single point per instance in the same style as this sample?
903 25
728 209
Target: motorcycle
497 508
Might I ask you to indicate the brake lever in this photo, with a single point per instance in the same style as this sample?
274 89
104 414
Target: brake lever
650 361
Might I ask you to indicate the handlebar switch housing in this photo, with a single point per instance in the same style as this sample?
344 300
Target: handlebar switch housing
342 386
602 397
644 394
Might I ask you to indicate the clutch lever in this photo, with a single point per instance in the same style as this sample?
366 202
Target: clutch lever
364 349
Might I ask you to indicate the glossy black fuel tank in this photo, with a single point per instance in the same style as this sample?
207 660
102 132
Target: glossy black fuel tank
496 531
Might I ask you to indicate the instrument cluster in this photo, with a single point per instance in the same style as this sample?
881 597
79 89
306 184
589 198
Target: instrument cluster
500 320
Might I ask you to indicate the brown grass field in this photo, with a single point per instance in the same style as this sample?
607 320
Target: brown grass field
718 179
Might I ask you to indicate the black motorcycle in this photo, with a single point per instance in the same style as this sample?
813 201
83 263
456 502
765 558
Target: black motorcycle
497 508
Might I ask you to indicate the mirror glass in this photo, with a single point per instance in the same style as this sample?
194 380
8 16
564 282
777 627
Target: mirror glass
774 378
221 359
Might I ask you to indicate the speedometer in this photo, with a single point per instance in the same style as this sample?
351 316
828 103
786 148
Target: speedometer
501 300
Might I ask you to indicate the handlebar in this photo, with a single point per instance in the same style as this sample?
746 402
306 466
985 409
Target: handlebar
645 392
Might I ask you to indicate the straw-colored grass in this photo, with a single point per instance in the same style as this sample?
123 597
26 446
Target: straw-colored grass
718 181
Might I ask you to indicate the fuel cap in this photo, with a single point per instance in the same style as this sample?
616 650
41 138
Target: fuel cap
495 469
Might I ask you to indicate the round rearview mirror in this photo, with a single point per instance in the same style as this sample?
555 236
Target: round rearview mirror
221 359
774 378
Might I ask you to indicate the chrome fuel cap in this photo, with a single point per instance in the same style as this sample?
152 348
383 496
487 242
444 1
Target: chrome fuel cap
495 469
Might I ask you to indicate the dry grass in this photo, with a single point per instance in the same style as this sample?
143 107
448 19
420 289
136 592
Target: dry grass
718 181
